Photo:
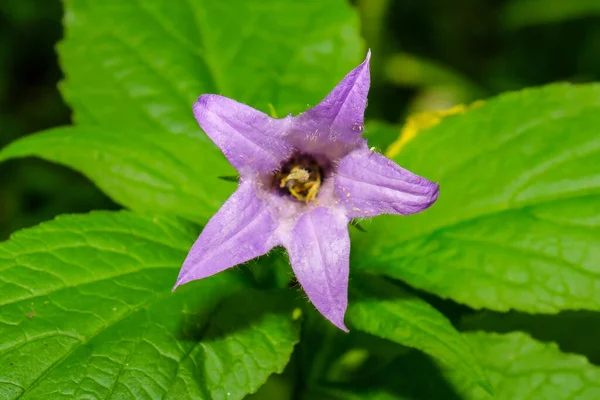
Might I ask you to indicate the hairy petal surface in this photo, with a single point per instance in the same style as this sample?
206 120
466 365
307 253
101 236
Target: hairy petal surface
371 184
250 139
339 118
241 230
319 250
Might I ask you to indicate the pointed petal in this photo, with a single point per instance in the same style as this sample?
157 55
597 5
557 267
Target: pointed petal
319 250
251 140
339 118
240 231
370 184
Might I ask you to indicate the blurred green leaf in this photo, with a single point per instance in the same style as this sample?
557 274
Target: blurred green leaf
521 368
517 222
410 70
523 13
381 134
385 310
411 376
330 355
145 171
87 312
573 331
276 387
140 65
342 392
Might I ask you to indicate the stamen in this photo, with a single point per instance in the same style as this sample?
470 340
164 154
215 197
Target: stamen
298 174
301 177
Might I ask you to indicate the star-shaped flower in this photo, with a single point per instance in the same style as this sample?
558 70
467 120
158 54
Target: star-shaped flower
302 179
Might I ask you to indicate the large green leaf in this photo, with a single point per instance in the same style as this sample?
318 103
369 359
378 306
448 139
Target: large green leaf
521 368
147 171
87 312
516 224
385 310
141 64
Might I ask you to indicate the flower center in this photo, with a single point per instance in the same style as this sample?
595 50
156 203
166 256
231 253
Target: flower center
301 177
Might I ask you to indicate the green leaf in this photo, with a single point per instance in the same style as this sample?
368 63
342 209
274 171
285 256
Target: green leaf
145 171
385 310
516 224
339 392
521 368
555 328
523 13
405 69
141 65
380 134
87 312
411 376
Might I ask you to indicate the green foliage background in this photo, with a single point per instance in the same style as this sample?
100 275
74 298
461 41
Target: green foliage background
436 54
486 295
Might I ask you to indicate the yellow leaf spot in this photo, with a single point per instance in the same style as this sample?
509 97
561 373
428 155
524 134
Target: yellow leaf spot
421 121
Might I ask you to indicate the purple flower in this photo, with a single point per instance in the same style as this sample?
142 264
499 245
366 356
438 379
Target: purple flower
302 179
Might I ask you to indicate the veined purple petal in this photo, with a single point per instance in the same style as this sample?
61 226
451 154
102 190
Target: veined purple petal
319 153
339 118
251 140
241 230
319 250
370 184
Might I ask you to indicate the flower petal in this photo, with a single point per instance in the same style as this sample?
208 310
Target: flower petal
240 231
370 184
251 140
319 250
339 118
